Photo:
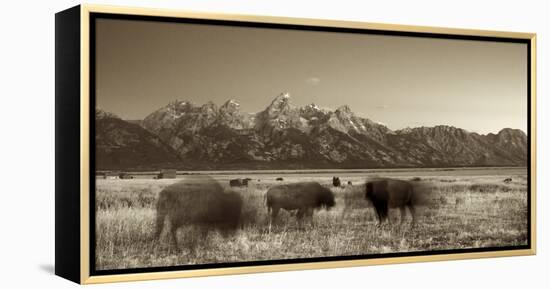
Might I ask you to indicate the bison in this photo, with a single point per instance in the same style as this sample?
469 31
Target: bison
336 181
303 197
391 193
198 201
508 180
239 182
279 179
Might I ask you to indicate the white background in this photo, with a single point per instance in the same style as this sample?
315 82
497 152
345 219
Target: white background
27 144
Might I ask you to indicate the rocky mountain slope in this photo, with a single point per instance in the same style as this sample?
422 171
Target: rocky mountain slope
122 145
286 136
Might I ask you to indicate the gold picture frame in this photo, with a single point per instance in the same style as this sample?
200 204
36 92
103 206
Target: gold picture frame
73 133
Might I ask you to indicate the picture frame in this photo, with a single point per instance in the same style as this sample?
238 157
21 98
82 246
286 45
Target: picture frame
80 85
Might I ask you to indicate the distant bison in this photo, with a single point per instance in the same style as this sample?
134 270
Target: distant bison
279 179
350 183
391 193
336 181
508 180
198 201
303 197
239 182
125 176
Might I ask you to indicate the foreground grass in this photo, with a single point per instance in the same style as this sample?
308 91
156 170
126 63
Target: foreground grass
464 212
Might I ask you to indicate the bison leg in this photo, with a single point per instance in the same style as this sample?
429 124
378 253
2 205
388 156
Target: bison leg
308 213
174 235
160 224
310 216
380 217
384 214
200 237
274 212
300 214
299 217
403 214
413 215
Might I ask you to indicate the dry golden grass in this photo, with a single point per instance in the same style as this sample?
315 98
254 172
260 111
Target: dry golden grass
462 212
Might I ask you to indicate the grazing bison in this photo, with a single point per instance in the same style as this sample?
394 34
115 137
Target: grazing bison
239 182
279 179
390 193
124 176
303 197
198 201
336 181
508 180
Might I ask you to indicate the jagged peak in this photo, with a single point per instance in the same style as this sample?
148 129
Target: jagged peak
405 130
100 114
283 97
446 127
209 107
344 109
438 129
180 103
231 103
511 131
310 108
230 107
178 107
313 105
209 104
280 103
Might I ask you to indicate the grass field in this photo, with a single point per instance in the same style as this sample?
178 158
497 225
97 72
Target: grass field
465 210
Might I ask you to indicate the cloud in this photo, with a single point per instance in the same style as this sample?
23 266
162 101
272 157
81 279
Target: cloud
313 81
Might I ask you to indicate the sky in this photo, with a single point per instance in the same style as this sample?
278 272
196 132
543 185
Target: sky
480 86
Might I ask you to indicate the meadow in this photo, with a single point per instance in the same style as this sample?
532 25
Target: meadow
465 209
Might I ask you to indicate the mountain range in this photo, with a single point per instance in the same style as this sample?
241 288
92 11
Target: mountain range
185 135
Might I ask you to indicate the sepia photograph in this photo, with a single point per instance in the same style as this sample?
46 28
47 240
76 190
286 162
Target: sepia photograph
230 144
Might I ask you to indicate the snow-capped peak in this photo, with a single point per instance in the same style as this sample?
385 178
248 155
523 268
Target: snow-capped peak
313 106
232 103
280 104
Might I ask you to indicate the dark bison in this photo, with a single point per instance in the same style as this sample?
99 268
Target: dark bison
336 181
350 183
279 179
239 182
390 193
198 201
124 176
303 197
508 180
